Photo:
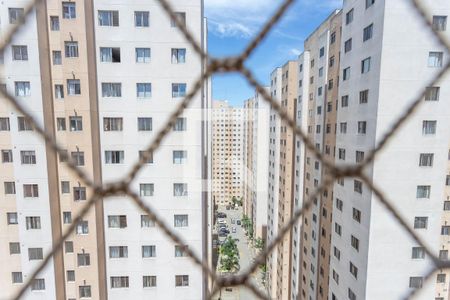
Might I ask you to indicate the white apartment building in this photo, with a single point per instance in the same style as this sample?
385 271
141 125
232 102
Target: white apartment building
388 56
114 74
227 152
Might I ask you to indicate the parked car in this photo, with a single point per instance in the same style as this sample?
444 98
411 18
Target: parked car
227 207
223 234
233 229
224 230
238 222
222 221
222 225
221 215
232 221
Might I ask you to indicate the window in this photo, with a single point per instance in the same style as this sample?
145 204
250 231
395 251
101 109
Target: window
363 97
341 154
440 278
148 251
333 37
355 243
71 49
33 222
15 15
336 277
119 282
67 217
439 23
68 246
429 127
331 63
369 3
337 253
348 45
78 158
146 222
445 230
61 124
141 18
180 251
11 218
435 59
368 32
143 90
353 270
148 159
180 220
180 189
178 56
76 123
30 190
359 156
22 88
10 187
16 277
65 187
83 259
69 10
73 87
111 89
415 282
7 156
85 291
321 52
362 127
181 17
339 204
59 91
35 254
351 295
357 186
108 18
446 205
432 93
149 281
114 157
70 274
178 90
349 17
338 228
418 253
112 124
142 55
118 251
20 52
54 23
109 54
180 124
83 227
14 248
443 254
4 124
24 124
144 124
179 157
38 284
346 74
420 222
423 191
79 193
365 65
357 215
426 159
319 91
117 221
146 189
181 280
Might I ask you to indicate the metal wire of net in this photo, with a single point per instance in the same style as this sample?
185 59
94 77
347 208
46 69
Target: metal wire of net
227 65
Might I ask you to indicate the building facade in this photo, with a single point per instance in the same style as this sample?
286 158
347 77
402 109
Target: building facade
102 80
227 152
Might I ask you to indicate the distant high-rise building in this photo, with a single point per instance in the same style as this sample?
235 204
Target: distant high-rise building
256 163
102 79
227 152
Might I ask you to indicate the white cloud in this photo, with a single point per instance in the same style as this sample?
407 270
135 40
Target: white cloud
295 51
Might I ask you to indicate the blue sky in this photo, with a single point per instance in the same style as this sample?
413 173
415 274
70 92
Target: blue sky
233 23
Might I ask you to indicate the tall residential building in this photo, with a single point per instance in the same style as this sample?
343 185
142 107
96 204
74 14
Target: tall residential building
227 152
256 162
281 169
349 246
102 80
316 115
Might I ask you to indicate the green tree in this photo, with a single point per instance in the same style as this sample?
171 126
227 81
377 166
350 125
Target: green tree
259 243
229 256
